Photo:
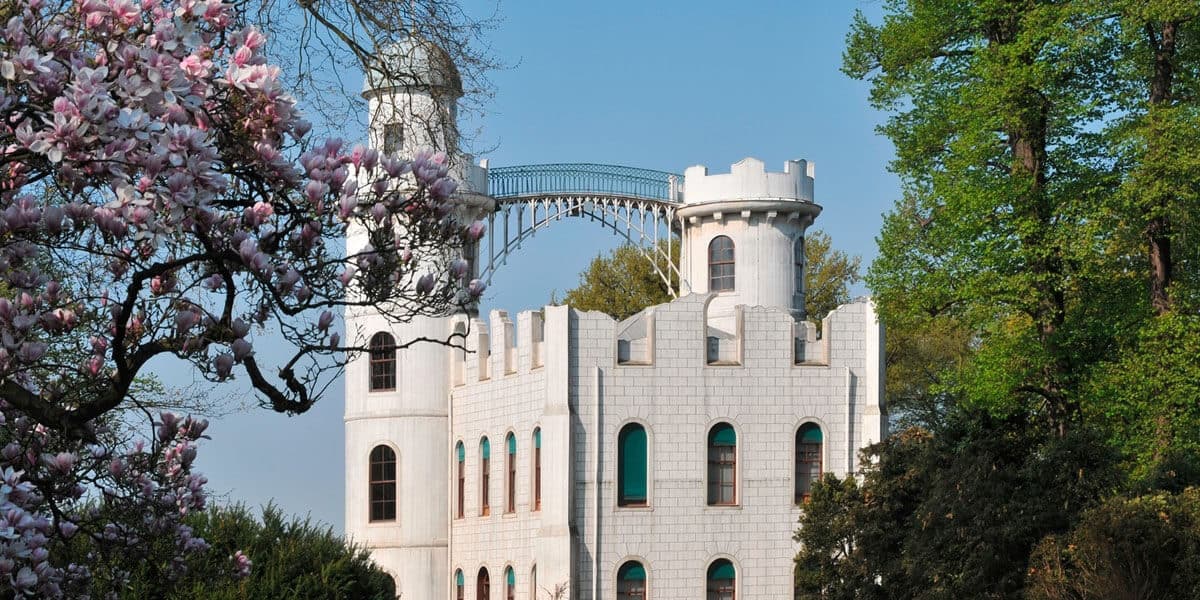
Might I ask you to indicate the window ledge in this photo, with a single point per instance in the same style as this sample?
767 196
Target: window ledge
720 507
723 363
634 508
810 363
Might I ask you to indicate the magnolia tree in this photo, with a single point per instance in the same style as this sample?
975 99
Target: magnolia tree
158 197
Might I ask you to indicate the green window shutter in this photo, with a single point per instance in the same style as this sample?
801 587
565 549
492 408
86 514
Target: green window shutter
722 569
512 444
810 433
723 435
537 437
462 452
510 576
459 579
485 449
632 476
632 571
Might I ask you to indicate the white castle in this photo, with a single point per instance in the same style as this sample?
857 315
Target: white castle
568 455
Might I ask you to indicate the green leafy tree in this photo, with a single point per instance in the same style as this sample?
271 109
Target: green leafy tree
1147 402
289 559
828 275
1155 140
624 282
951 515
992 106
1143 547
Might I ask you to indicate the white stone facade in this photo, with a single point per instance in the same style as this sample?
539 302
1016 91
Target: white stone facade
577 378
741 356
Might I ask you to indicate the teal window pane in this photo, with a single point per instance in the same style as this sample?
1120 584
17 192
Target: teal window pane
485 449
723 435
537 437
461 451
722 569
459 580
631 477
512 444
632 571
810 433
510 577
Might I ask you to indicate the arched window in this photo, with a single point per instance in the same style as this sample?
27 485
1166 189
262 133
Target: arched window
808 460
722 580
631 581
722 465
383 484
537 469
383 362
510 468
533 591
510 584
485 453
483 585
461 454
720 264
631 466
460 585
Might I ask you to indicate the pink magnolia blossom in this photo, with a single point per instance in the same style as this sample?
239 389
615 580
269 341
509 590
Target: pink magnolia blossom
186 210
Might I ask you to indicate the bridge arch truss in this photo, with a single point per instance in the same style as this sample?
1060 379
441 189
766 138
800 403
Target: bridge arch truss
638 205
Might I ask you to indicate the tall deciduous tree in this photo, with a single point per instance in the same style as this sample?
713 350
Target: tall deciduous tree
1156 91
994 116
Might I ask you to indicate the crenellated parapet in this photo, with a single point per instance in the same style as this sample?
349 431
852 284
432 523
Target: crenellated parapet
496 347
749 179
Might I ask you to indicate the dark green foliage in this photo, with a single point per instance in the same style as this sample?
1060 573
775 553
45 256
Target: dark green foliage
948 515
292 559
1140 548
1041 267
1147 399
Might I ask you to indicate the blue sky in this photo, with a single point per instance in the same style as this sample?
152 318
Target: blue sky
655 84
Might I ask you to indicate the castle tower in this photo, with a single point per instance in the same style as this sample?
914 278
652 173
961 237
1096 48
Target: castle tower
397 405
743 236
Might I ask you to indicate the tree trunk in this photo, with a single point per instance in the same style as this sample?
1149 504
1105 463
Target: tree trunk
1158 229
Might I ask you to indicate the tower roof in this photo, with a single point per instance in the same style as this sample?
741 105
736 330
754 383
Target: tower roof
413 62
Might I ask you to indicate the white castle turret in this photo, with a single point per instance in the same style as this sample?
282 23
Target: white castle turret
397 401
743 236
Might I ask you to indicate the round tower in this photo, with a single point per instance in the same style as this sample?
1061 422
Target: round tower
743 236
397 400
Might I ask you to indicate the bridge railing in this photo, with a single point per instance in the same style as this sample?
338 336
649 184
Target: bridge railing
534 180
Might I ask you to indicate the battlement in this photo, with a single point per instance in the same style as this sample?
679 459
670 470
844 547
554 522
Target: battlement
496 348
748 179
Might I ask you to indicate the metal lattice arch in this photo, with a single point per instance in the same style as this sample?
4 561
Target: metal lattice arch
637 204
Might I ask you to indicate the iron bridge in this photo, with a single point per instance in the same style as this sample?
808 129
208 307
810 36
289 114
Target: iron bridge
636 204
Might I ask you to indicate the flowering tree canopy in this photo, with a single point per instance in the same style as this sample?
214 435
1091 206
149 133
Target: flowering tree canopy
152 203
